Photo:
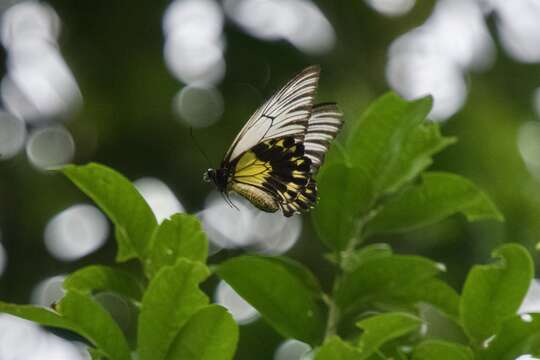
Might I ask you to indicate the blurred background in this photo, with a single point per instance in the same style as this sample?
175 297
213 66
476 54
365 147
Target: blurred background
121 83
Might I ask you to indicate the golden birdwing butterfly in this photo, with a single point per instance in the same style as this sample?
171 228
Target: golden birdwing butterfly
273 159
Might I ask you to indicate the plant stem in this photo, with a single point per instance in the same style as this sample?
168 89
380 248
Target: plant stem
358 236
333 316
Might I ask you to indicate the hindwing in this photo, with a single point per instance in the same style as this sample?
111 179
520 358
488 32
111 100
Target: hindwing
279 168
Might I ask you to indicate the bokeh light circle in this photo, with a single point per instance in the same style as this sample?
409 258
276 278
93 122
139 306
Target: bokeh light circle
391 7
248 227
12 135
24 340
239 308
48 291
50 147
76 232
199 106
292 350
159 197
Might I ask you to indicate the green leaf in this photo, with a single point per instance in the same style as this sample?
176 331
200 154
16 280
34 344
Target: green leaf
435 292
493 293
123 204
336 349
297 269
382 278
286 300
336 155
346 193
437 197
95 354
95 324
96 278
351 261
441 350
389 146
40 315
377 142
172 297
210 334
380 329
80 314
416 155
518 335
181 236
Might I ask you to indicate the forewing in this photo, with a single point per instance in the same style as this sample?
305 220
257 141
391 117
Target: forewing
285 114
323 126
279 168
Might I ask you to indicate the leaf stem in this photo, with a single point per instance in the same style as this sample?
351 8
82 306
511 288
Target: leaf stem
333 316
358 236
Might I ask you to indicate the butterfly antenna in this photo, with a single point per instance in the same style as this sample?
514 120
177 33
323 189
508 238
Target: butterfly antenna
198 147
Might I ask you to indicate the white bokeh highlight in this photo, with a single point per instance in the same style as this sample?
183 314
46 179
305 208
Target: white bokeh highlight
22 339
242 312
48 291
435 57
391 7
159 197
531 303
38 85
247 226
50 147
527 357
292 350
518 26
76 232
199 106
299 22
194 42
12 135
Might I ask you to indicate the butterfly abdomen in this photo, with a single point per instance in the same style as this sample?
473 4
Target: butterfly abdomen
261 199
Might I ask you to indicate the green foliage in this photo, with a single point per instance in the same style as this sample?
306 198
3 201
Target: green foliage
518 335
380 329
179 236
382 279
174 316
437 197
493 293
443 350
281 292
81 314
161 318
118 198
210 334
98 278
336 349
372 185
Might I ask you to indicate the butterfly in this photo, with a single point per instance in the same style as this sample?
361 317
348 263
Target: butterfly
274 158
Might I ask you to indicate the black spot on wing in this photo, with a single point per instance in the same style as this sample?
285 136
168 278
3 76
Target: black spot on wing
289 176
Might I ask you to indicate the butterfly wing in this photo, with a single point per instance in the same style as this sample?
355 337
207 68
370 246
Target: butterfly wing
275 174
285 114
323 125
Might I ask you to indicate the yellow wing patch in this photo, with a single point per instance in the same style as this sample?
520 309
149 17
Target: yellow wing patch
279 169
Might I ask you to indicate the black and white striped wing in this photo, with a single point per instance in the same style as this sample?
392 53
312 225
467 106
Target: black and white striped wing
323 126
286 113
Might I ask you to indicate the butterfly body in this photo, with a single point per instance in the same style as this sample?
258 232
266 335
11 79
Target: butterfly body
273 160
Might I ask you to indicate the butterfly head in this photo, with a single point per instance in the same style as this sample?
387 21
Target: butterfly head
217 176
